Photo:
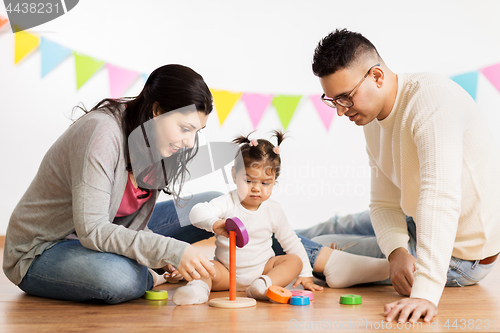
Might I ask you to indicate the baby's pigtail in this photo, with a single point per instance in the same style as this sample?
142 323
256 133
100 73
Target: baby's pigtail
242 139
280 136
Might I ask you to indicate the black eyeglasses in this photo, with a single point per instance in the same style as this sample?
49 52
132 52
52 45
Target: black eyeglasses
345 100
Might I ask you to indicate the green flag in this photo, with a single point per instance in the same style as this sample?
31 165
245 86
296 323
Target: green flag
85 67
285 106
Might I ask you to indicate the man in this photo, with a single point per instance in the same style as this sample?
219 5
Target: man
436 161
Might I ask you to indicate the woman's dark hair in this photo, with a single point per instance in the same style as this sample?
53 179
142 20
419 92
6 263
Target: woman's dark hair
169 87
262 154
338 50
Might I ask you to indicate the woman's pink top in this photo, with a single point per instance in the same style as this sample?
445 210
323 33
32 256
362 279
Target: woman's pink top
130 201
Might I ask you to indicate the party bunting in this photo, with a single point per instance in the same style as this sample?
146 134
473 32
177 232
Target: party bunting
52 55
120 79
3 20
85 67
492 73
468 81
256 105
285 106
224 102
325 112
25 43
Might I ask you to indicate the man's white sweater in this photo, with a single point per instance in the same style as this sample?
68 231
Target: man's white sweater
437 161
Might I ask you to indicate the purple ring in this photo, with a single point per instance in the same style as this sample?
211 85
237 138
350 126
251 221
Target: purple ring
235 224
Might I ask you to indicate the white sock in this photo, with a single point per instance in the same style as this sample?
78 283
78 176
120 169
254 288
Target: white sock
258 288
195 292
346 269
158 279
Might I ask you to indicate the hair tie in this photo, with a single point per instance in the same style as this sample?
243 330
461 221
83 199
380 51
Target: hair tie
276 150
253 143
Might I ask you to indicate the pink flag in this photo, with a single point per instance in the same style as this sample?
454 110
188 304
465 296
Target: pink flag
325 112
120 79
492 73
256 106
3 20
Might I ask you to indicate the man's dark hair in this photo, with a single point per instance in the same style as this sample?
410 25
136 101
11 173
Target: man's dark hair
338 50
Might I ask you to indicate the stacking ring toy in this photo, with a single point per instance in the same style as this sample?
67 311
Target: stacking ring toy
235 224
278 294
350 299
299 300
156 295
238 236
303 293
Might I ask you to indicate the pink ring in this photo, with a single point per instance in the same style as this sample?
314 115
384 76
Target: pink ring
303 293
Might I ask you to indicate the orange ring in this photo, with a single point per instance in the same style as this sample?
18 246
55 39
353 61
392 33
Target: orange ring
278 294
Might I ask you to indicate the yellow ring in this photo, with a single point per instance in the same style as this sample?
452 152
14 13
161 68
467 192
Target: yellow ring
156 295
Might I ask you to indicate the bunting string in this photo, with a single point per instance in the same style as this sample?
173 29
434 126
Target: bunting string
120 79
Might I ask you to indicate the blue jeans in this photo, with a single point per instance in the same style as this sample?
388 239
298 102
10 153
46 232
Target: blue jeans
356 232
69 271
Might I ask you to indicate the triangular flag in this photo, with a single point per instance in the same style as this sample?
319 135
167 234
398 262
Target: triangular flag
256 106
224 102
285 106
52 55
325 112
492 73
145 77
120 79
468 81
85 67
24 44
3 20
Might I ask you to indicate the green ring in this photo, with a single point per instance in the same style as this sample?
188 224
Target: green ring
156 295
350 299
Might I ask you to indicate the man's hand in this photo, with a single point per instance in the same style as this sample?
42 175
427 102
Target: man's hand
220 228
416 307
402 266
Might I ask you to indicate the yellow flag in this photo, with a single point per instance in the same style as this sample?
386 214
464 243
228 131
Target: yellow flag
24 44
224 102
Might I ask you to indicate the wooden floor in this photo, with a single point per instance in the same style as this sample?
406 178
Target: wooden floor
469 309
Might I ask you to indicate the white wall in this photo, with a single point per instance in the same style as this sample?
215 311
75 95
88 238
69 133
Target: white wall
251 46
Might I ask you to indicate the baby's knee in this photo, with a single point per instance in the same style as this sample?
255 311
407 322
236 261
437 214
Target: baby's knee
295 261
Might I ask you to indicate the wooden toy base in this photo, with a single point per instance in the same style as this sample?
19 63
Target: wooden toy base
240 302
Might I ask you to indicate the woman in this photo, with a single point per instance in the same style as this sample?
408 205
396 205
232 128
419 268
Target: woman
79 232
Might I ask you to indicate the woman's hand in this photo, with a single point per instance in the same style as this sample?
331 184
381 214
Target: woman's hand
220 228
307 283
194 265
